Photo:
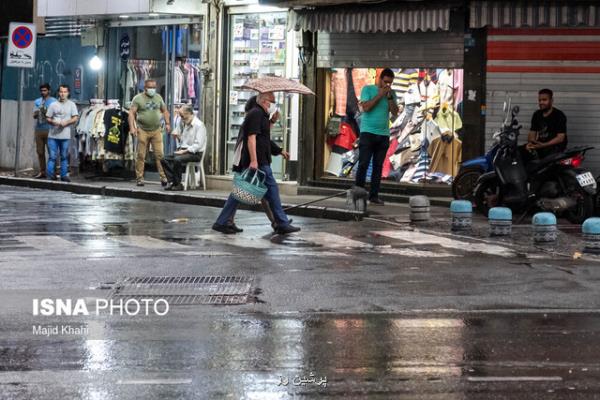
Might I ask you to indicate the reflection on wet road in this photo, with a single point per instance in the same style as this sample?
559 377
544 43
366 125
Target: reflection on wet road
341 310
375 357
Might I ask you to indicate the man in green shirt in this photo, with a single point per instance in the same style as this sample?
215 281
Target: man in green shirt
377 102
145 114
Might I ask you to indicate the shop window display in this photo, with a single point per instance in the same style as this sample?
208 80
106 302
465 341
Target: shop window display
258 47
425 139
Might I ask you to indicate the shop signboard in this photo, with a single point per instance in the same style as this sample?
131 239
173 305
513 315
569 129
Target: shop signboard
77 80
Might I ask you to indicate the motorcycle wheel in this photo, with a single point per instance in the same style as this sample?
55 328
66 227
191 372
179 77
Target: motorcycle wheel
583 210
465 182
487 196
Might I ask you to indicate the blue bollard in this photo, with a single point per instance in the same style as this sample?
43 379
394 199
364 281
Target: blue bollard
500 219
544 227
591 235
462 215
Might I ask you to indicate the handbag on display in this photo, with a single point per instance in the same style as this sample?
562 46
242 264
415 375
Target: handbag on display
333 126
249 186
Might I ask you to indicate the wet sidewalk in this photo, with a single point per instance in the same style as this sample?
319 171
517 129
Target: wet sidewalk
331 208
569 242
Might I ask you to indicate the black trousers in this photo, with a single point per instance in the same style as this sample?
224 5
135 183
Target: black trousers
174 166
376 147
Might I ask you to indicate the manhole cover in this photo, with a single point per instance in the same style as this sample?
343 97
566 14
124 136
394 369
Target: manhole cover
185 290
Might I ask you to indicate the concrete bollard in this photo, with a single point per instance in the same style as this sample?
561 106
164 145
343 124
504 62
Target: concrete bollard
544 227
356 199
419 209
500 219
591 235
462 215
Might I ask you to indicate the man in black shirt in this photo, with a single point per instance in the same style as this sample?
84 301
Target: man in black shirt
548 134
256 154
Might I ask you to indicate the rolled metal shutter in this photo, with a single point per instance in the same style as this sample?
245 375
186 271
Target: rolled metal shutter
567 61
394 50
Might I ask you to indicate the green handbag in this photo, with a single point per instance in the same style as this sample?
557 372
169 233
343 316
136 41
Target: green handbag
249 186
333 126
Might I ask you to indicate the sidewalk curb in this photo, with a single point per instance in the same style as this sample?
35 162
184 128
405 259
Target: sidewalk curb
338 214
388 197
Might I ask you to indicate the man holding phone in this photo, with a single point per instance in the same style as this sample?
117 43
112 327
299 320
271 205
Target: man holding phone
377 102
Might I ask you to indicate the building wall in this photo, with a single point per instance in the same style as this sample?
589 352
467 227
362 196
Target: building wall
56 60
567 61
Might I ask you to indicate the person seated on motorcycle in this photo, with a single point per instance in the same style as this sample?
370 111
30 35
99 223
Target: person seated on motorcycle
548 133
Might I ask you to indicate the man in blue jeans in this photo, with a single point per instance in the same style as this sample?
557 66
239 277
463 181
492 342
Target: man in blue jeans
62 117
256 154
377 102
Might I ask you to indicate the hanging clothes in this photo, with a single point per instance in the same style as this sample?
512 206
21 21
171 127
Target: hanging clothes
339 91
448 120
446 154
352 98
361 78
403 79
422 167
447 86
387 164
116 126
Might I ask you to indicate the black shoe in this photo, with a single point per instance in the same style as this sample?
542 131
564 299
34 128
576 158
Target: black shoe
236 228
226 229
376 201
177 188
169 186
40 176
164 183
274 225
65 179
52 178
140 183
285 230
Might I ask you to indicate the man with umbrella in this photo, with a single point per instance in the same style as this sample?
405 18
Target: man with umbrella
256 154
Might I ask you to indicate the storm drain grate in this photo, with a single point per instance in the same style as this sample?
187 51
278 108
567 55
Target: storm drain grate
186 290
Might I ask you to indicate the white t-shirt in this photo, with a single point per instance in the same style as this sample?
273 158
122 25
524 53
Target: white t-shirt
61 111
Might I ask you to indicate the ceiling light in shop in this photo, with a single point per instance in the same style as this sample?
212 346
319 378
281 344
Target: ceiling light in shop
153 15
123 16
96 63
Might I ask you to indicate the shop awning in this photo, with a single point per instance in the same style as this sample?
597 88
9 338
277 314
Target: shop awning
534 14
371 19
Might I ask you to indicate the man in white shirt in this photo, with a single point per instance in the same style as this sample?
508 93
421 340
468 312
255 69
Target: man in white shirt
62 115
191 135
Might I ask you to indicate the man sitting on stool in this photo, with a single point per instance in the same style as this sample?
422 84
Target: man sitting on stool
191 135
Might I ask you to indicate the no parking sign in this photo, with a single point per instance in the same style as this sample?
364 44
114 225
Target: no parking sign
21 45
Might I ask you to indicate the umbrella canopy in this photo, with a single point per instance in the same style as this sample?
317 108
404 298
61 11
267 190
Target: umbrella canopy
276 84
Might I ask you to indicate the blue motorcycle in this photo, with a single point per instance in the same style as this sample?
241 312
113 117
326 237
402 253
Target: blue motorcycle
465 181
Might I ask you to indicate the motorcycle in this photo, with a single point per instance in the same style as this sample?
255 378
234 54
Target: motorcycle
555 183
465 181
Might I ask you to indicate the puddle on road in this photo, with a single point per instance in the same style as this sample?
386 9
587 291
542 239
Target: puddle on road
293 241
424 350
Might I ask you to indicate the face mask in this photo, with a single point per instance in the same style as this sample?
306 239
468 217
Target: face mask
272 108
151 92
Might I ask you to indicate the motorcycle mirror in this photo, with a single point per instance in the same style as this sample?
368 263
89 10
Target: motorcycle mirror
504 105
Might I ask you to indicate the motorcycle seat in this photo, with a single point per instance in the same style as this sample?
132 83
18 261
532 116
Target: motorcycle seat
534 165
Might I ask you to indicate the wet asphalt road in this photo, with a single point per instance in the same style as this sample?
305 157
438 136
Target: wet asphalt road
381 311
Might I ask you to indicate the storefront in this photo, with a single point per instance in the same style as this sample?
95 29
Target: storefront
132 43
256 43
555 46
168 51
425 46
